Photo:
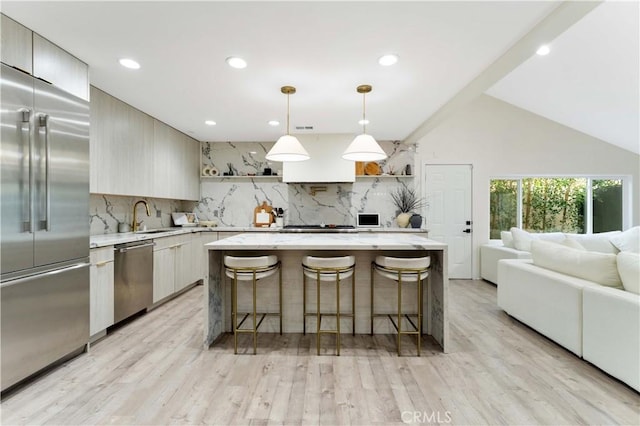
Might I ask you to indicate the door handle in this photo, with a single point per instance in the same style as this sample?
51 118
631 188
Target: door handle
25 118
467 231
43 121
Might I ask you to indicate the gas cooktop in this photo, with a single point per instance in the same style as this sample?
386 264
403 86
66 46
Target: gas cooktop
319 228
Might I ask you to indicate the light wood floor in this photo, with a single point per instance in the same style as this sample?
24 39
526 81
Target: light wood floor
155 371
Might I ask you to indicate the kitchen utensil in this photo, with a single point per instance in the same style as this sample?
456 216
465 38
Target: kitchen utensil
359 168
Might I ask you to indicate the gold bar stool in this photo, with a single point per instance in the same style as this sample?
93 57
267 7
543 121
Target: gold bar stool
251 269
328 269
413 270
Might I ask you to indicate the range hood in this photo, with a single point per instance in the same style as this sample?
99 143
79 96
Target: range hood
326 163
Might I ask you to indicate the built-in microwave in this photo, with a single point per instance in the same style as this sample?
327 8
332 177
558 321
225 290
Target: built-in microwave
368 220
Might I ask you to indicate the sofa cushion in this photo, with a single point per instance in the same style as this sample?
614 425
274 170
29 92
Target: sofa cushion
570 242
629 270
597 242
628 240
507 239
592 266
522 239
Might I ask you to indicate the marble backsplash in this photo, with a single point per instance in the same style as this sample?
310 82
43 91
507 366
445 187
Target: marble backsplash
231 201
106 211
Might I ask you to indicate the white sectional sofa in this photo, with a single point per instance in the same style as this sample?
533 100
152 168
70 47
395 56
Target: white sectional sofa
586 301
516 244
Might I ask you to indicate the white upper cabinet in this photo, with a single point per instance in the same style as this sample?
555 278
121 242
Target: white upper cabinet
121 147
60 68
34 54
16 45
176 159
326 163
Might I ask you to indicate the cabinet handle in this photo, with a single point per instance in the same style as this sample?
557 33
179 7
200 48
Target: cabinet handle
99 264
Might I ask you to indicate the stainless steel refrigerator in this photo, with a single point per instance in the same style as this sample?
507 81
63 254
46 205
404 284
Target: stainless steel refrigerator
44 225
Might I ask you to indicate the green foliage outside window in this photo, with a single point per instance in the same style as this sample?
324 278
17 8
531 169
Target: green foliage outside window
554 205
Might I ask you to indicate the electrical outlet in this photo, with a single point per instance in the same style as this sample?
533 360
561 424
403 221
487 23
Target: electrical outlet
215 213
158 213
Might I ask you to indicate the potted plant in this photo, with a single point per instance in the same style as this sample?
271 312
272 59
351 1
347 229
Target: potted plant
407 202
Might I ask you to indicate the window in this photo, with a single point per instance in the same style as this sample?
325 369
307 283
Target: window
558 204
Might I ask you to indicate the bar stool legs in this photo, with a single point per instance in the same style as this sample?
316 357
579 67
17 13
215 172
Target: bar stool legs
399 269
251 269
328 269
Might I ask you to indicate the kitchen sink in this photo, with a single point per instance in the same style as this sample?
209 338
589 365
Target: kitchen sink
153 231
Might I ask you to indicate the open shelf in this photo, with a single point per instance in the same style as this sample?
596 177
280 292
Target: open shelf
274 178
384 176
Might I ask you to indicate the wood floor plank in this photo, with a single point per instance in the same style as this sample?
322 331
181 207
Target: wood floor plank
154 370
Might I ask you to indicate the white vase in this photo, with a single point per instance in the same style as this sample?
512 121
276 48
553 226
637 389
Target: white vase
403 219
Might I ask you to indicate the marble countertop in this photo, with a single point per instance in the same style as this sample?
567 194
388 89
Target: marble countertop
337 241
104 240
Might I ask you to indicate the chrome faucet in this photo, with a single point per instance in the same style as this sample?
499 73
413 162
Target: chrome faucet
134 227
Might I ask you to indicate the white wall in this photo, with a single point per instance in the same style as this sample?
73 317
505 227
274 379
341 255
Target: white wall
499 139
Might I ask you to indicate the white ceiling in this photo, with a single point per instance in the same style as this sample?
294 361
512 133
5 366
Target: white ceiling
590 80
325 49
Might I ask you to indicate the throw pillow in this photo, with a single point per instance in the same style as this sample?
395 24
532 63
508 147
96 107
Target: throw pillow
628 240
507 239
600 268
597 242
522 239
629 270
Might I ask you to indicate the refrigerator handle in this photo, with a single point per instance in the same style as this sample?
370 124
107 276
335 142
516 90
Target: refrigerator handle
25 119
43 121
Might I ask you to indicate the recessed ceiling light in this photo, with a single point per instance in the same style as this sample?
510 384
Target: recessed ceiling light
387 60
543 50
274 123
210 123
235 62
361 122
129 63
253 152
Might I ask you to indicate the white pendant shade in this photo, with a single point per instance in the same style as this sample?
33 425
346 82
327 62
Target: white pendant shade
288 148
364 148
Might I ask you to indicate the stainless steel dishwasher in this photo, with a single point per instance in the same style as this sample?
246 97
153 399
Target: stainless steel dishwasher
133 278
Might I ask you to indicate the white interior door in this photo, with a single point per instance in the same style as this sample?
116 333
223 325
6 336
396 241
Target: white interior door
448 192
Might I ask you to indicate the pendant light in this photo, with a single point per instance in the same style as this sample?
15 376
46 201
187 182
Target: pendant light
288 148
364 147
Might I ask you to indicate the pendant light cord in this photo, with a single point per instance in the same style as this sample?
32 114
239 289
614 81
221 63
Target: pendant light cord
364 120
287 114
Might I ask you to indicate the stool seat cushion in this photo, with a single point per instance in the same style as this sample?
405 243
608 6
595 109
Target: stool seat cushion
310 263
388 266
263 262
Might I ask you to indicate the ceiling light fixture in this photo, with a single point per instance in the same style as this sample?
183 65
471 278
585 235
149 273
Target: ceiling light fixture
210 123
235 62
364 147
274 123
287 148
543 50
387 60
129 63
363 122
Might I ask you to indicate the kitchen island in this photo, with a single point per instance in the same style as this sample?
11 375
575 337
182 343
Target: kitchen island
291 247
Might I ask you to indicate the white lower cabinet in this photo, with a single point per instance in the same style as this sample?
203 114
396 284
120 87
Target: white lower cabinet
173 265
101 289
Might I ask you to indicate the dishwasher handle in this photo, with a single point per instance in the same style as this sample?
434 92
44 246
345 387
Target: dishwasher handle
129 248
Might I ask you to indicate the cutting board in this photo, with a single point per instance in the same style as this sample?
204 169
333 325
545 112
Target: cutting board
262 216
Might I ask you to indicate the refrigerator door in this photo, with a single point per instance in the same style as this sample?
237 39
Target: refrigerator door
61 138
44 317
16 233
